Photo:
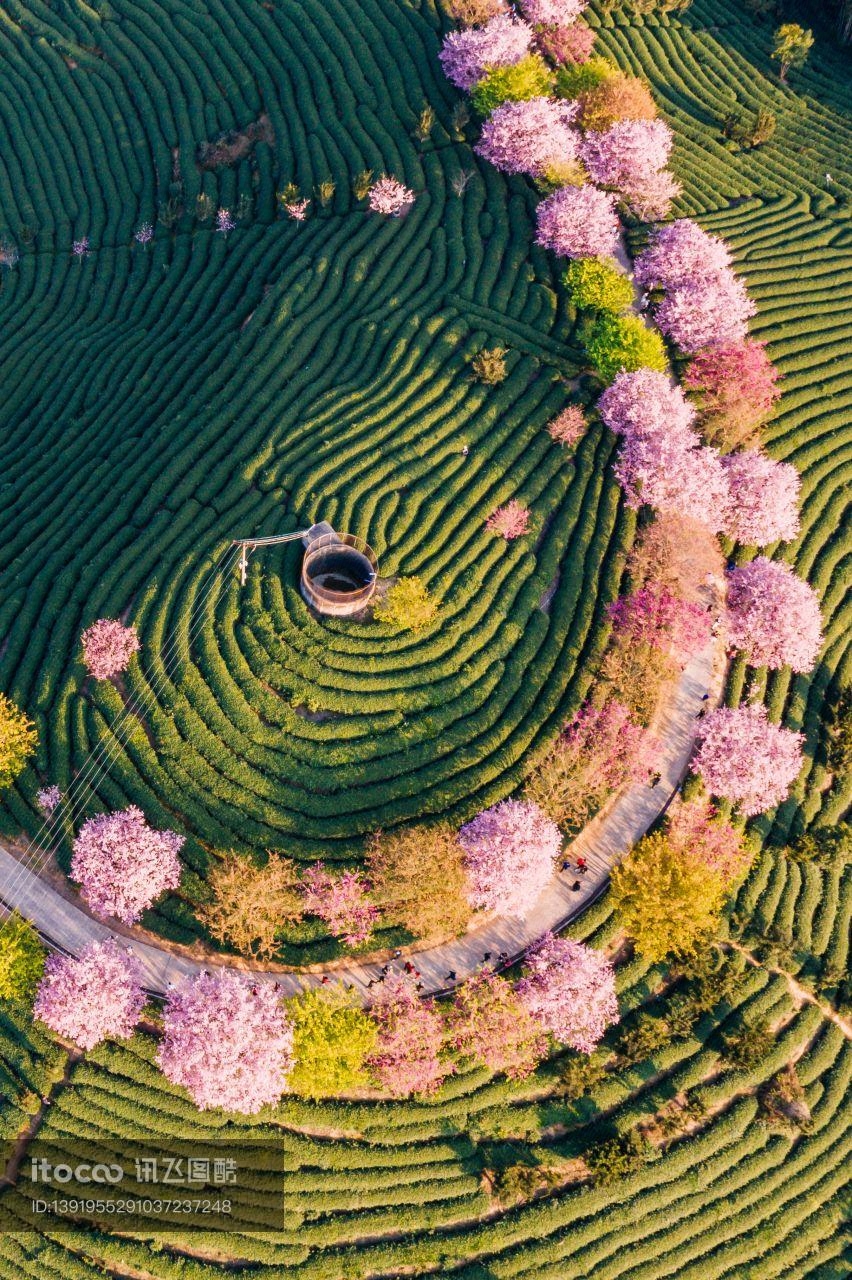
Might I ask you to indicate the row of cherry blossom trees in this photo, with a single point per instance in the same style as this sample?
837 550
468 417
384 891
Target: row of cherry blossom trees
234 1043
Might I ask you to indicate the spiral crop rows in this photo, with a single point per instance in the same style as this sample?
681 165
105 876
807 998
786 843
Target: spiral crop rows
201 387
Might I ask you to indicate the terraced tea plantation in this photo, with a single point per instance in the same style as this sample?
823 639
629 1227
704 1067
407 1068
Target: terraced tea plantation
164 398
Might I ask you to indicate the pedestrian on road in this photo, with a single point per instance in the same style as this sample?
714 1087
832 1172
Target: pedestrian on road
419 986
408 967
655 779
385 970
452 975
325 979
581 866
701 714
486 957
575 887
705 697
397 953
566 866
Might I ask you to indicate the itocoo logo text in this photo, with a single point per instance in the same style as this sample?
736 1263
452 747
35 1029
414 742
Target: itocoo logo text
42 1170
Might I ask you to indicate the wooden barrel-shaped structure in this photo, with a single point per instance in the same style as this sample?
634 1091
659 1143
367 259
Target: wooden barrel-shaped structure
339 573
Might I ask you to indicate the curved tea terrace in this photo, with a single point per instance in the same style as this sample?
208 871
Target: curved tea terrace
602 844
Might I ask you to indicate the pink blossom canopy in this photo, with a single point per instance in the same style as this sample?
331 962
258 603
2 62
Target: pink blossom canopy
341 901
609 743
654 615
570 989
764 498
651 197
737 381
227 1041
410 1039
47 799
744 758
646 404
467 55
509 853
552 13
773 616
578 222
529 136
712 313
123 865
695 828
680 254
389 196
108 647
91 998
509 521
627 154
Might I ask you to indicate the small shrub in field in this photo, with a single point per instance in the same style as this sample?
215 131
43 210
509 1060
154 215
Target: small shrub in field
408 1057
297 210
48 799
619 97
225 222
597 285
325 192
21 959
568 427
575 79
204 207
341 902
744 758
529 136
619 344
93 997
569 988
529 78
617 1158
251 903
792 46
361 184
425 124
108 647
578 222
665 900
227 1041
509 852
747 1046
467 56
773 616
390 197
18 740
332 1038
408 606
489 365
560 45
473 13
509 521
418 879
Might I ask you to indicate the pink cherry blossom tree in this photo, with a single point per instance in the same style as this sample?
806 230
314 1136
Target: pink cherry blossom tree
560 45
108 647
390 197
672 478
654 615
227 1041
680 254
570 989
744 758
92 997
568 427
510 521
608 745
773 616
578 222
715 312
552 13
695 829
122 865
509 853
645 404
467 55
341 902
651 197
488 1023
530 136
407 1059
764 498
628 154
735 386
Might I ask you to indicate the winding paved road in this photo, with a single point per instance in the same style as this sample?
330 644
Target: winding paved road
603 843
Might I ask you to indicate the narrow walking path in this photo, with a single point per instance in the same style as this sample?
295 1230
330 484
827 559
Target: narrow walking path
603 843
